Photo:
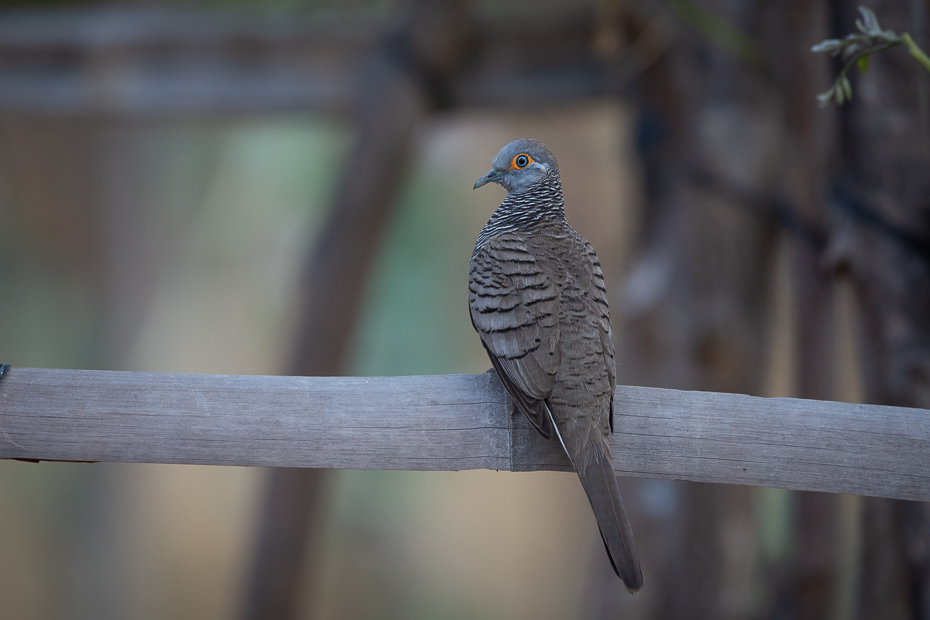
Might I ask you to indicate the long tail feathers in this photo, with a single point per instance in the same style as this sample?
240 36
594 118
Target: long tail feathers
600 483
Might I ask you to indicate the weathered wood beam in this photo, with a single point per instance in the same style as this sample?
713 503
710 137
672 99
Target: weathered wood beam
146 63
454 422
164 63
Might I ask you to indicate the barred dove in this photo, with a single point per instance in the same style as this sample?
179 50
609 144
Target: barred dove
538 301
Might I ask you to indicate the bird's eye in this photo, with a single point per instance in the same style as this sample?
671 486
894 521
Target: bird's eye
521 161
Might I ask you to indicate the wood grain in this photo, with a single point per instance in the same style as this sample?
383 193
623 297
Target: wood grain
454 422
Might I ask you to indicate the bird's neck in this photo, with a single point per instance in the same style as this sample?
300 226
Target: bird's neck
542 201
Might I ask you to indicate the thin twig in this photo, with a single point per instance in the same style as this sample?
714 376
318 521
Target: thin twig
857 47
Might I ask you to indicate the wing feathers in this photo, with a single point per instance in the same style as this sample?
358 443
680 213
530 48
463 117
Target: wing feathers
534 409
514 308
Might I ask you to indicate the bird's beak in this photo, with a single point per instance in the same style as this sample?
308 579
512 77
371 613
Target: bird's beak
491 177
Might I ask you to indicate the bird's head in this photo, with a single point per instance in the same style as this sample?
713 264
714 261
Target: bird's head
520 165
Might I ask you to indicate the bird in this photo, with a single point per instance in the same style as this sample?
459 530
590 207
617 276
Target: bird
537 299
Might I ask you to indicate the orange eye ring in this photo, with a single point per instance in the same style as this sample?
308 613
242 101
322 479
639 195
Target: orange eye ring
521 161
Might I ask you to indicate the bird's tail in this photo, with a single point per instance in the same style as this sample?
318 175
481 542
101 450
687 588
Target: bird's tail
600 483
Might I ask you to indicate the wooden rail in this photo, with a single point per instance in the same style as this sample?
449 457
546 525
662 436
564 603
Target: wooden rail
157 63
454 422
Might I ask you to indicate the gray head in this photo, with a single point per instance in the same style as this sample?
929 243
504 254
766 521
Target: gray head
520 165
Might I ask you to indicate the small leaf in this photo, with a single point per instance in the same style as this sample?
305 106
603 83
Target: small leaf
828 45
869 23
823 99
863 63
847 87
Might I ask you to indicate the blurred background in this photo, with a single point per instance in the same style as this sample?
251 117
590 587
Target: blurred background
284 187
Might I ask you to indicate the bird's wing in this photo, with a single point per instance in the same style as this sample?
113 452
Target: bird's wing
515 310
601 316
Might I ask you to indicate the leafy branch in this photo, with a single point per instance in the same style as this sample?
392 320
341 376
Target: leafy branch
857 47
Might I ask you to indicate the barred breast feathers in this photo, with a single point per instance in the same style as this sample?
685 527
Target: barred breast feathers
522 210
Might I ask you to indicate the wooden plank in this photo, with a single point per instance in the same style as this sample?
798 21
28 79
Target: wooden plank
422 423
167 64
455 422
789 443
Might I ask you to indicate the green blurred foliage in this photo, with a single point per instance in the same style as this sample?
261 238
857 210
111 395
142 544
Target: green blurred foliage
415 318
